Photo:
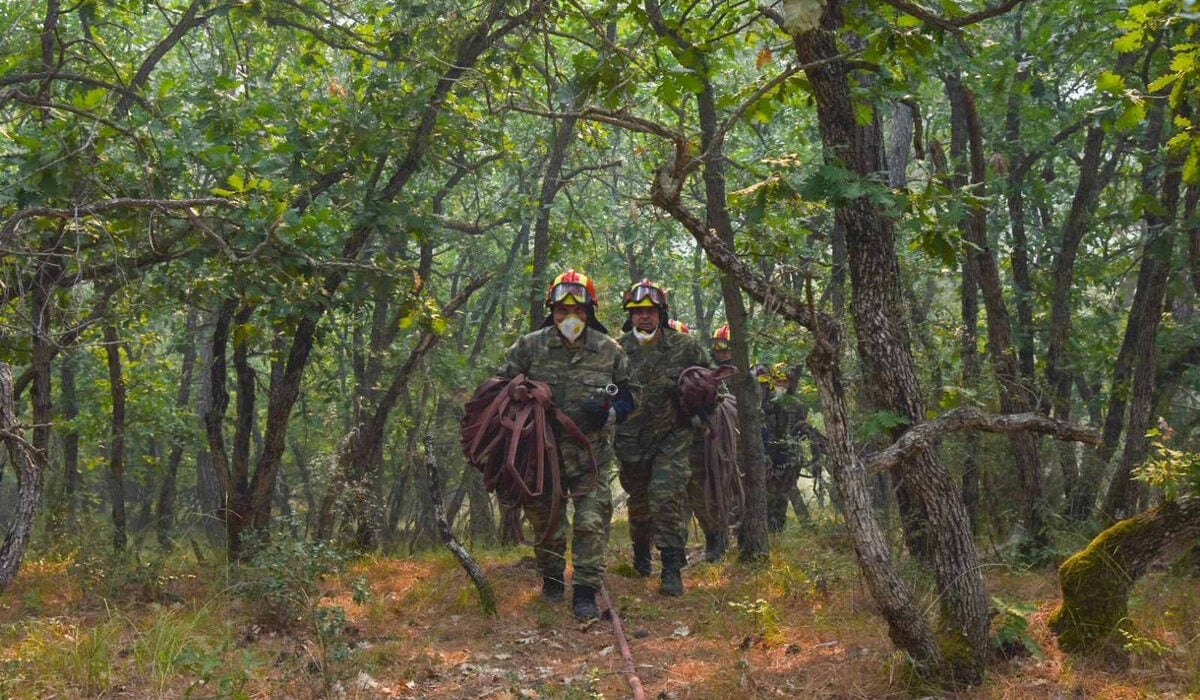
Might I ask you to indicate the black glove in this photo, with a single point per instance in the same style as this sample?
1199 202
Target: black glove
593 414
623 403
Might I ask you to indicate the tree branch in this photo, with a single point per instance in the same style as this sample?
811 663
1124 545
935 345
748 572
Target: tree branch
10 225
925 435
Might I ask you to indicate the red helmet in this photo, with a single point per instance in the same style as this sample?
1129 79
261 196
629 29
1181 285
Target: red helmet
679 326
720 338
574 287
646 294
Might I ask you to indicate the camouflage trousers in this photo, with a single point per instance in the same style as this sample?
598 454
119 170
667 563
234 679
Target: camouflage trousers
709 523
782 490
656 478
592 505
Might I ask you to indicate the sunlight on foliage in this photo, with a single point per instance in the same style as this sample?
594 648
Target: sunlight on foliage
1174 472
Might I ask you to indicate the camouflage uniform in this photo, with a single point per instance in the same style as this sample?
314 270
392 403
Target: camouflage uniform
782 412
653 444
575 376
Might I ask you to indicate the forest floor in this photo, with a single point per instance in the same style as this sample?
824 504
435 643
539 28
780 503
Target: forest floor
802 626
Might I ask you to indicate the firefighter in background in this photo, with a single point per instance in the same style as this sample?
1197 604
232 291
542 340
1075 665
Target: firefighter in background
784 414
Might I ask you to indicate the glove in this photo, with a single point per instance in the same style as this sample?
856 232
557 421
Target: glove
593 415
622 403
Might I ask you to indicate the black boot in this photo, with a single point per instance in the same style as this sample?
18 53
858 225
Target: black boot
552 588
714 546
672 575
583 602
641 558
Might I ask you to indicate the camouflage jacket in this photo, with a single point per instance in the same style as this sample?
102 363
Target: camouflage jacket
656 369
782 415
575 376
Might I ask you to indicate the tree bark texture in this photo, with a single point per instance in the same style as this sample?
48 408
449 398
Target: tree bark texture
884 349
69 405
29 466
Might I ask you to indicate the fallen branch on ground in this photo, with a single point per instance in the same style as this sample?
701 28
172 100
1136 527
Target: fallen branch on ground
487 596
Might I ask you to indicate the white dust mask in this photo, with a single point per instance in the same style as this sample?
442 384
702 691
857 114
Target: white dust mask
571 328
644 337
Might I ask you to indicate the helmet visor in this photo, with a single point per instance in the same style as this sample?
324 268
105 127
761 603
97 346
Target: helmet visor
720 345
569 293
646 293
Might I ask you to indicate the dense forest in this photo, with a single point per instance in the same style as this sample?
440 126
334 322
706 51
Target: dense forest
258 254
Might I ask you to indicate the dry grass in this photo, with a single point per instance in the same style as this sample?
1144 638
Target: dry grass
801 627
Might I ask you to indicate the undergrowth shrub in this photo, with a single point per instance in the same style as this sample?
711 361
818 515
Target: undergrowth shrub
283 582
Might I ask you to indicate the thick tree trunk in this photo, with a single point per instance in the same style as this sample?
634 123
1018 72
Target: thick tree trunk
883 347
116 450
29 465
1097 581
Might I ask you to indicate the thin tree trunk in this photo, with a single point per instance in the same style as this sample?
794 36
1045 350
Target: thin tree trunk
116 451
1146 314
166 512
70 438
753 543
1014 393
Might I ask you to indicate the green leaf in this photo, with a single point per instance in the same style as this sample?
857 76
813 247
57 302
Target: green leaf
1162 82
89 100
1133 115
1191 166
881 422
1110 82
1130 42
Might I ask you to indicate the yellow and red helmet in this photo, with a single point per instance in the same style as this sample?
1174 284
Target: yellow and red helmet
646 294
572 287
679 326
720 338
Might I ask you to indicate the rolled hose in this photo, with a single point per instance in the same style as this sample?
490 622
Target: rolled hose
508 434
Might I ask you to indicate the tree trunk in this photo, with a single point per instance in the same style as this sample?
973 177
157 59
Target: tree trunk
1097 581
69 405
753 544
1014 392
1146 313
42 350
29 465
883 347
165 516
116 450
907 627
